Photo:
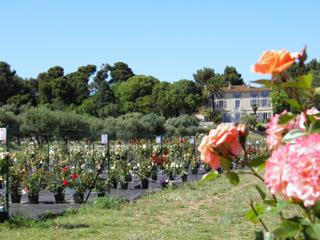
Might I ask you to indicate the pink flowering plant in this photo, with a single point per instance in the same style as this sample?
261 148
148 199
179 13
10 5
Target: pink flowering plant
290 166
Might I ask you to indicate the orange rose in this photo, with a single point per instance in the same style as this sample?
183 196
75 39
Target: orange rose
221 142
273 62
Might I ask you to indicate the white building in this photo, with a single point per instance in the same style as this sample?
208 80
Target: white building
238 100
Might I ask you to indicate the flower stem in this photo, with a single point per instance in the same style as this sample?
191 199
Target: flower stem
256 213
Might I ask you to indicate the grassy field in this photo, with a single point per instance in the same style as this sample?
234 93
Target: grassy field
215 210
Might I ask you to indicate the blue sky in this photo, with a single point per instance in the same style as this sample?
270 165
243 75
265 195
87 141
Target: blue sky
169 39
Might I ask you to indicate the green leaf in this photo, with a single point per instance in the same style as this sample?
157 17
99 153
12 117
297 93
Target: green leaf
317 90
233 178
281 204
210 176
261 167
258 161
315 127
291 136
288 229
225 164
284 119
316 209
261 192
313 231
294 103
305 81
254 216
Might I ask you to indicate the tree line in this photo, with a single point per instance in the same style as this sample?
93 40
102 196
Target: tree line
111 90
111 98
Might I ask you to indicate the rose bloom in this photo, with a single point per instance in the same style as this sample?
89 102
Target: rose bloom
74 176
274 62
276 131
220 142
294 170
65 182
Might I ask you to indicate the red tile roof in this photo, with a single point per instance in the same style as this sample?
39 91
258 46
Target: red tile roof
244 88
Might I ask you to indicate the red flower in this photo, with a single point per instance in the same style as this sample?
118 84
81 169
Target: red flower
65 169
65 182
74 176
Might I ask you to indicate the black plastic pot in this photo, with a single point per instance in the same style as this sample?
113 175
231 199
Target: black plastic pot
194 171
59 197
3 216
184 177
15 197
33 199
144 183
101 194
124 185
78 197
114 184
154 176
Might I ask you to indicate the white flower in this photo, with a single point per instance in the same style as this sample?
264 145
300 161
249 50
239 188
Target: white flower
25 191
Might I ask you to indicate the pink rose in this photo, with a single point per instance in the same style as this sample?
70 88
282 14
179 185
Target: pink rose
220 142
275 131
294 170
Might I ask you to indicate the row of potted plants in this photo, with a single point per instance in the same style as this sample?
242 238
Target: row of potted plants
77 167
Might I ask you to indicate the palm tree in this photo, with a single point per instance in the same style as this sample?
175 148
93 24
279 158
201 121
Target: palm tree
214 89
210 83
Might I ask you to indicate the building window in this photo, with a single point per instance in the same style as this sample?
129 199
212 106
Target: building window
254 102
237 94
254 94
221 104
265 103
237 104
265 94
265 116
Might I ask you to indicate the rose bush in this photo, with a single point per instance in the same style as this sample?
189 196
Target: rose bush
292 172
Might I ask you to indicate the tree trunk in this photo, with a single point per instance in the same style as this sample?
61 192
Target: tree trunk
212 102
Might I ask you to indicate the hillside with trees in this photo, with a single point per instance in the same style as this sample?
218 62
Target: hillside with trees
113 99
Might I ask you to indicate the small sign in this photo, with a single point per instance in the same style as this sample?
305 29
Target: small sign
158 139
3 134
104 139
192 140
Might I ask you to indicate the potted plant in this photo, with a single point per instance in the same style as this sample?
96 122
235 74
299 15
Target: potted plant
114 176
4 162
34 183
120 158
101 187
17 173
144 164
58 182
125 174
16 178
